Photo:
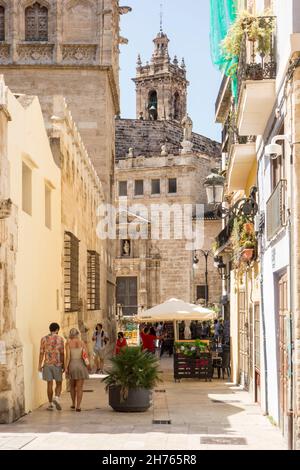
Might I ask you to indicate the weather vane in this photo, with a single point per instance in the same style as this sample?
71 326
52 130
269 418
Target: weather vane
161 17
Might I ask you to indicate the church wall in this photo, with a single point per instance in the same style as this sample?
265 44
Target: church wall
146 138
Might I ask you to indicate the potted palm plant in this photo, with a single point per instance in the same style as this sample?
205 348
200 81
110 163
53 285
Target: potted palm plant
133 375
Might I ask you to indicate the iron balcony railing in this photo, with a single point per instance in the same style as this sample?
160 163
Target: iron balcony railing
230 135
225 85
276 209
224 236
254 64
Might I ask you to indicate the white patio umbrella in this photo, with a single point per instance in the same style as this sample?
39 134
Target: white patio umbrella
175 310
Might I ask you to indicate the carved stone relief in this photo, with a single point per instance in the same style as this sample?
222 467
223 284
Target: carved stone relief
35 53
79 53
4 53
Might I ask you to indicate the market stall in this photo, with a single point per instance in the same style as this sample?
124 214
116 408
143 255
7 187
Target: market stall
192 359
175 310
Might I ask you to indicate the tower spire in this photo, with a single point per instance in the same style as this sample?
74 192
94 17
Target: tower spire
161 17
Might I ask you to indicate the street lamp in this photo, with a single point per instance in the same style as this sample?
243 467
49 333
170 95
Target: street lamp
221 266
246 206
206 254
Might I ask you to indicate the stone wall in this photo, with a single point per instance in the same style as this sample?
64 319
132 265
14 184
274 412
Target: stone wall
85 70
147 137
82 194
11 359
164 267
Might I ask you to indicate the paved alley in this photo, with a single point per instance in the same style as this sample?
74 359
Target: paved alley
194 415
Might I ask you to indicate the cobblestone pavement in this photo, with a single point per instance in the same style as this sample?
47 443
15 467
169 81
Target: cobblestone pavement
198 415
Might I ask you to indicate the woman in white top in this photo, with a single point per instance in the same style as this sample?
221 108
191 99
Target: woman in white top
76 368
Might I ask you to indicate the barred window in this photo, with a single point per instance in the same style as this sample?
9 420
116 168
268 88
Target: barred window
127 295
71 272
172 185
2 23
93 280
36 23
122 188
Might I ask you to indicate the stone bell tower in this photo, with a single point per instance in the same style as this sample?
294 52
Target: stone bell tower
161 86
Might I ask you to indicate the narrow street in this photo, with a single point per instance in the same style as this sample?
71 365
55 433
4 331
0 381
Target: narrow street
202 416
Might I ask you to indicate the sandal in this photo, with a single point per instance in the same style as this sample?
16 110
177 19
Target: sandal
78 409
72 407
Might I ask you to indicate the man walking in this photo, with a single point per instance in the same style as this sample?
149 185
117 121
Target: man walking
101 340
51 364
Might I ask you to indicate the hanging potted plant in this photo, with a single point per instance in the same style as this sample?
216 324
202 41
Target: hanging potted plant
248 251
133 375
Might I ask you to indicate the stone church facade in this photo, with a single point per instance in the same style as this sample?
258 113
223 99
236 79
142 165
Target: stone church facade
66 52
156 165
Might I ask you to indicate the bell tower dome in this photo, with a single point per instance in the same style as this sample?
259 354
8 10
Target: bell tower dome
161 85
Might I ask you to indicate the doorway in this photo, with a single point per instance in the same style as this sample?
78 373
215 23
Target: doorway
283 351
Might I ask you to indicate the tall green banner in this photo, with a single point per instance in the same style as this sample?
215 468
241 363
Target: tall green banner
223 13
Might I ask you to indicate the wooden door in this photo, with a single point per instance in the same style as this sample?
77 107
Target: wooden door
243 341
257 352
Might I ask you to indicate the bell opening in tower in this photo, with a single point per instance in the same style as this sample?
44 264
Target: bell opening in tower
152 106
176 112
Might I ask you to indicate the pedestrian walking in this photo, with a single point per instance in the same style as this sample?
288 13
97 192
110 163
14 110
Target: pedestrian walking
148 337
101 339
77 366
51 364
121 343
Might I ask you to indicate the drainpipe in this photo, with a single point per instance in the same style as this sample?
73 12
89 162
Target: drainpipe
261 253
290 338
291 288
263 325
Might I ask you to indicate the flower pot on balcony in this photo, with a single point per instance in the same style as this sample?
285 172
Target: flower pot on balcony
247 254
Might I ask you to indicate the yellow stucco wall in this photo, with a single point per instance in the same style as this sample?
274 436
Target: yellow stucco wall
38 263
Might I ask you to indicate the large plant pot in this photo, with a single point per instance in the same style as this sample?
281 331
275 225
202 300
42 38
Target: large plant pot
138 399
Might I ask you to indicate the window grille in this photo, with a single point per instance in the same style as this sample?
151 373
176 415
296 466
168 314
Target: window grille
139 188
172 185
127 295
93 280
2 23
276 209
71 272
122 188
36 23
202 291
155 187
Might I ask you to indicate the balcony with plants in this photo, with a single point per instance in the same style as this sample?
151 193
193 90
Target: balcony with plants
251 39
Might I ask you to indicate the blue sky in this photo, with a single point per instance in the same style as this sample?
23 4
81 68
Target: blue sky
187 25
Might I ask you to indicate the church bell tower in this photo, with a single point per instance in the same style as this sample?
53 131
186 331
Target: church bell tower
161 85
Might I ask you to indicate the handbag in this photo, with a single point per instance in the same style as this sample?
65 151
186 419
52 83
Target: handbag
85 358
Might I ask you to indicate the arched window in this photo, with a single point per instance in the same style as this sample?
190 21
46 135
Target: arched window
176 106
36 23
2 23
152 105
